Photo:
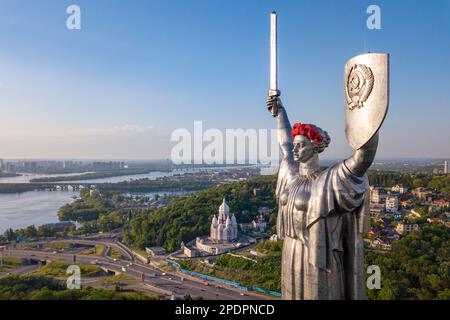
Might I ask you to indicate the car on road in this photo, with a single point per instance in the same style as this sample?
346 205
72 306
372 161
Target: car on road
124 269
114 259
242 294
163 274
54 252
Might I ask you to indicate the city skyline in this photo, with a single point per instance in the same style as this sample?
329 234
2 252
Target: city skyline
118 87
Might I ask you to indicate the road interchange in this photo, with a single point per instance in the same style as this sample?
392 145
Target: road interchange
157 282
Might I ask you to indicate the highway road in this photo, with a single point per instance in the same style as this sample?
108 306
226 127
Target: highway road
171 283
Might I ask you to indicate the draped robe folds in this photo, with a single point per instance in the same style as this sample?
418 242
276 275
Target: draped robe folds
322 221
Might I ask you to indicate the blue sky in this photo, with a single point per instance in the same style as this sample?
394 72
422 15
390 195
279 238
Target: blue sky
137 70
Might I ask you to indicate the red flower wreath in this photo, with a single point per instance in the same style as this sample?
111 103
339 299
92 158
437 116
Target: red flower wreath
308 131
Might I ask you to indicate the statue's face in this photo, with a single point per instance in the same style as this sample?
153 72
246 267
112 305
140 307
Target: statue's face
303 148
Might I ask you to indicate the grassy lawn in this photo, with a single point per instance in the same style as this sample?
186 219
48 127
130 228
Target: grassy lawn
10 264
112 281
165 268
6 268
97 250
118 277
27 246
115 253
57 245
58 269
141 252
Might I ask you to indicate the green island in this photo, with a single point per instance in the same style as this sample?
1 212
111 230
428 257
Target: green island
87 208
92 175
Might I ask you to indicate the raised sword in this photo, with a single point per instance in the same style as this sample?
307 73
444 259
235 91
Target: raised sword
273 88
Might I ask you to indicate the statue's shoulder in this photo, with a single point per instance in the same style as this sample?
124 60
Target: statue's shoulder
326 175
330 170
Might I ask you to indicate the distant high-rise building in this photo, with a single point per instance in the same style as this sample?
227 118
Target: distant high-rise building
446 167
10 168
108 165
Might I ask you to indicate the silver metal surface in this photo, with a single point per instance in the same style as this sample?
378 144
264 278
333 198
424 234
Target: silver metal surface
366 90
323 215
273 88
273 52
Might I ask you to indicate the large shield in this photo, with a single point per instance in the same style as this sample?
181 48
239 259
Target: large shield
366 90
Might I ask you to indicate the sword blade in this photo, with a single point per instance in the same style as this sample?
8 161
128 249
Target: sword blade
273 52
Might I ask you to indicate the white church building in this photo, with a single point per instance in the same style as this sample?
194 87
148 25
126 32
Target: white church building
224 228
223 236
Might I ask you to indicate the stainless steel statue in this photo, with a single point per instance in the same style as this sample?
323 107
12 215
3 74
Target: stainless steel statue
323 214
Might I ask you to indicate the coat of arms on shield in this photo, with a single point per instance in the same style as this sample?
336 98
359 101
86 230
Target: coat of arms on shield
366 90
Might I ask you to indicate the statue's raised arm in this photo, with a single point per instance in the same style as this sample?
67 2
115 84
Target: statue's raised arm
288 168
275 106
363 157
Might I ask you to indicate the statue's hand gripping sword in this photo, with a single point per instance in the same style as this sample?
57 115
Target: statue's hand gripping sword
273 90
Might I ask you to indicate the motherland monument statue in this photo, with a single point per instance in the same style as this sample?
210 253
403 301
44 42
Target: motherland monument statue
322 215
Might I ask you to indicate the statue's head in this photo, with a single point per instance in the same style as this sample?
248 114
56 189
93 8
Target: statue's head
308 140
